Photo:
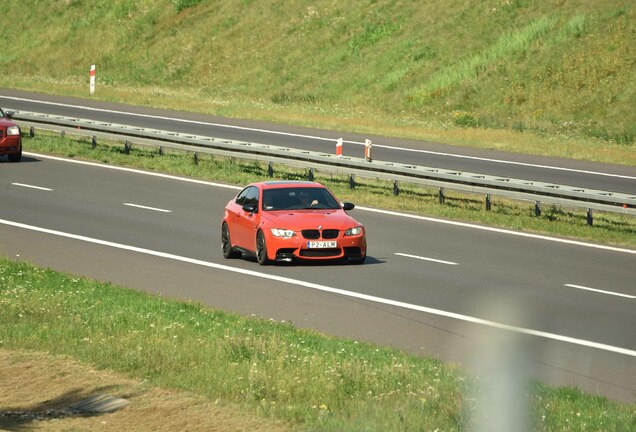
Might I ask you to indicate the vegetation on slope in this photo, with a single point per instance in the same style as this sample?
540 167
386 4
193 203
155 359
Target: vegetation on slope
506 73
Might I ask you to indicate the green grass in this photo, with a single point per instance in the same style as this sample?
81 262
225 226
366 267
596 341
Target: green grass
311 381
608 228
536 77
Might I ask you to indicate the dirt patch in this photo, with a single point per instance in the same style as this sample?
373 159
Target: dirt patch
36 388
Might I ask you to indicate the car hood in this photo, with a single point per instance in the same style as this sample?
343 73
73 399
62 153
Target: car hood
5 122
309 219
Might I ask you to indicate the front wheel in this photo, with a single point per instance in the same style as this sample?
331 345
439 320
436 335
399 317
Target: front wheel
16 157
261 249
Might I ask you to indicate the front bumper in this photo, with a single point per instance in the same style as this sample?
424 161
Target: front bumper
11 144
296 248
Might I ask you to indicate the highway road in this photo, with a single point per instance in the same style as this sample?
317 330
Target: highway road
561 311
561 171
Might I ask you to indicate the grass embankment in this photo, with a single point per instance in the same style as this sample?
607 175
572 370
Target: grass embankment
540 77
608 228
307 380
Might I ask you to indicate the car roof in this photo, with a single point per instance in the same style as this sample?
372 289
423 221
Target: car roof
277 184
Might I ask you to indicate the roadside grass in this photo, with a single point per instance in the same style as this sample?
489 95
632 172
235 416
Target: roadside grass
608 228
307 380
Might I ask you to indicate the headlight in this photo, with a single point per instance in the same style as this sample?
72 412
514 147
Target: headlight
285 233
353 231
13 130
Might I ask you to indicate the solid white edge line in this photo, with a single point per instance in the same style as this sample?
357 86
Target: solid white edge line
426 259
32 187
500 230
147 208
600 291
319 138
331 290
372 210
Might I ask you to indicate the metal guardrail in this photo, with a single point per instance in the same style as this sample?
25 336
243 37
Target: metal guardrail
538 192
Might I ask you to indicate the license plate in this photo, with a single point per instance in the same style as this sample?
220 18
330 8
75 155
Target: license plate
321 244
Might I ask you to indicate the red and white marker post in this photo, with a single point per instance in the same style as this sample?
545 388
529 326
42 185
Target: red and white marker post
339 147
92 79
367 150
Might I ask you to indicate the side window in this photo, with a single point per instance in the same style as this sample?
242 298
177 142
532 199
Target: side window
252 196
240 199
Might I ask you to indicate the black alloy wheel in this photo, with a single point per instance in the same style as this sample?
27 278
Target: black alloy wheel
226 244
261 249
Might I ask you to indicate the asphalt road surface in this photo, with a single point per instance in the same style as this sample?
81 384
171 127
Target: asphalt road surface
557 310
560 171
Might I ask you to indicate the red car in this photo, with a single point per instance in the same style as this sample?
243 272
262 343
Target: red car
291 220
10 138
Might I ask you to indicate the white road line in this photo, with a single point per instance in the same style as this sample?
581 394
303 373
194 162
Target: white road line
32 187
319 138
147 208
373 210
323 288
600 291
425 258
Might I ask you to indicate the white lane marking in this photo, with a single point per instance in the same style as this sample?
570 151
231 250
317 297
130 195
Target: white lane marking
549 167
499 230
600 291
320 138
331 290
135 171
426 259
32 187
372 210
147 208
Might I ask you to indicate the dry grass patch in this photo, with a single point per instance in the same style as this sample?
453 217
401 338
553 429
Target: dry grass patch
33 383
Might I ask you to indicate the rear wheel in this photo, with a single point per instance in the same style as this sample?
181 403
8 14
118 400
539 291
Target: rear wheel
261 249
226 243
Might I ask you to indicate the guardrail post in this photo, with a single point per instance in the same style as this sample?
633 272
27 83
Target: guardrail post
126 147
590 217
62 134
537 208
160 150
195 158
94 142
441 195
270 170
310 176
488 202
352 183
31 132
396 188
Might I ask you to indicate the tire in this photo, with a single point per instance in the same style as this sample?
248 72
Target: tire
358 261
226 244
16 157
261 249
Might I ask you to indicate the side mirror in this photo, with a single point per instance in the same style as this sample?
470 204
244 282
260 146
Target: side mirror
249 208
9 114
348 206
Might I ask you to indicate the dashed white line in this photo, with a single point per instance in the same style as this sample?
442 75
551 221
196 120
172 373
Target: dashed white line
148 208
323 288
426 259
600 291
32 187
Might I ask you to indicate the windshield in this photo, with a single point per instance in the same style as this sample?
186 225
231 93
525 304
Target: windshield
298 198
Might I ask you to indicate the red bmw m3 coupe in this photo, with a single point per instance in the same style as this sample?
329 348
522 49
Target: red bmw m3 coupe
291 220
